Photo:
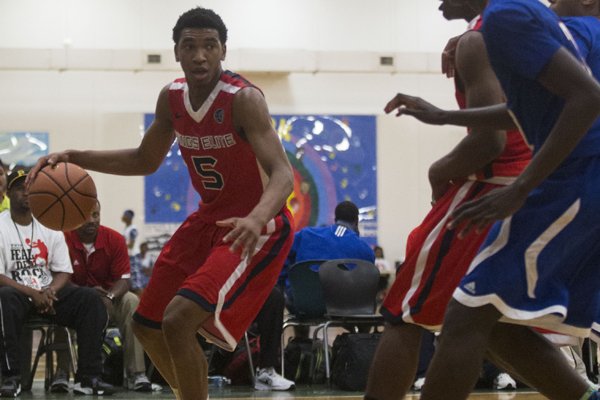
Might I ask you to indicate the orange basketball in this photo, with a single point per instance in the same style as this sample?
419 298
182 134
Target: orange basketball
62 197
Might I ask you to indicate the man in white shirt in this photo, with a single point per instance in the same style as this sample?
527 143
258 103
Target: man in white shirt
35 272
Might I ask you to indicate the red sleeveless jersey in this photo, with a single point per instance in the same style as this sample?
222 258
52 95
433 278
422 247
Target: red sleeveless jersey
221 163
516 154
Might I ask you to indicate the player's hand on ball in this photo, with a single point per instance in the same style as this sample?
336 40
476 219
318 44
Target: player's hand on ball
243 236
51 159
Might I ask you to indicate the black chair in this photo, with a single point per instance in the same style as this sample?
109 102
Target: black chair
350 293
46 326
308 298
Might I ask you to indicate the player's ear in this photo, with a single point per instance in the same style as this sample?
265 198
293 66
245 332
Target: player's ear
176 53
224 52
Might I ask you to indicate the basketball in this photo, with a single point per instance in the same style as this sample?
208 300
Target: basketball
62 197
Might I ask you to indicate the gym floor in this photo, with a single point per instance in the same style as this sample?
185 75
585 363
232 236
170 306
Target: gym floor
306 392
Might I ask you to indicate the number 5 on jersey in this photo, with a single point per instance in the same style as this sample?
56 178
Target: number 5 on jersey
205 167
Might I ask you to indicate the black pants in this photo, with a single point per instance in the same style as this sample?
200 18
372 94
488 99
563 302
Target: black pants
269 322
79 308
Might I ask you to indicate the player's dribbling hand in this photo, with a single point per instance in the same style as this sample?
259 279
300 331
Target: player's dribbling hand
416 107
477 214
243 236
52 159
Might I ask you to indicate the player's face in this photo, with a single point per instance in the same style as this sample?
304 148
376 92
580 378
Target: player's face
200 52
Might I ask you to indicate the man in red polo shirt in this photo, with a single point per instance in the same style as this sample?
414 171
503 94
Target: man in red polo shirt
100 260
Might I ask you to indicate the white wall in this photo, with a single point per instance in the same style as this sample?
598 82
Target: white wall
50 79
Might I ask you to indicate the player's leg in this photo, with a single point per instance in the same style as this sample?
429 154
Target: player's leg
181 321
154 344
537 361
460 352
395 362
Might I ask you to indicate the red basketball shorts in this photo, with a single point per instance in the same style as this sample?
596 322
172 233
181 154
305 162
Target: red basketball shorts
197 265
436 260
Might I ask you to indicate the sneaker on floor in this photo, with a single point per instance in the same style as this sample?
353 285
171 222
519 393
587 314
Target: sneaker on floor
11 387
139 382
504 382
60 383
93 386
418 385
268 379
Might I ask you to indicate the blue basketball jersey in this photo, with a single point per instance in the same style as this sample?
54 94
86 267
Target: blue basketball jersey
521 37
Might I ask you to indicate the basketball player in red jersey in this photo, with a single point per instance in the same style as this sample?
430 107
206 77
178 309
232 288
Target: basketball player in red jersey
219 267
436 259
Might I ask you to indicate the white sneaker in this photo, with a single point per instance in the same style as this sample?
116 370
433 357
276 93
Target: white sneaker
268 379
504 382
418 385
139 382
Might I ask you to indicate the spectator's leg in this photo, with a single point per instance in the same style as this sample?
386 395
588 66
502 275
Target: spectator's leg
14 308
270 323
133 351
82 309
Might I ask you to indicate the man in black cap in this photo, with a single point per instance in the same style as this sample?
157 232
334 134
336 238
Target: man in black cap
35 272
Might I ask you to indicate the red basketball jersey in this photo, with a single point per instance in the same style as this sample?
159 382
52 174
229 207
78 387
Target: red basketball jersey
221 163
516 154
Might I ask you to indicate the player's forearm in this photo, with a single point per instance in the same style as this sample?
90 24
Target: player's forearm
277 191
491 117
575 120
117 162
472 154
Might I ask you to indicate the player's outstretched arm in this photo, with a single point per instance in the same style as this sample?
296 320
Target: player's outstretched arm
482 145
565 77
252 119
495 117
142 160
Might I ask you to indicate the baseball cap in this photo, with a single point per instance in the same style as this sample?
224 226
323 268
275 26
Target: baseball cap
15 176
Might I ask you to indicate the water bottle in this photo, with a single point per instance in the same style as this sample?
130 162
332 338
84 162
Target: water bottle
218 381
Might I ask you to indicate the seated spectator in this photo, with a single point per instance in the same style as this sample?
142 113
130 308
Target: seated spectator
141 269
4 202
36 269
340 240
100 261
269 323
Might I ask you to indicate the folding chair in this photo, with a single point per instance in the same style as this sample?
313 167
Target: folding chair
47 327
350 294
306 290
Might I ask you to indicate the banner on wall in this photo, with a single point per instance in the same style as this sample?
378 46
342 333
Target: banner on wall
22 148
333 158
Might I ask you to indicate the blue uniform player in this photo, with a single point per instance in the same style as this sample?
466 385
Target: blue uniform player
537 266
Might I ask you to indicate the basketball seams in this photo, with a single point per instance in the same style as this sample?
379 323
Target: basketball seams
71 187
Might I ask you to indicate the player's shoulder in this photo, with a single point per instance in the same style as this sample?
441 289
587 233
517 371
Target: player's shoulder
507 14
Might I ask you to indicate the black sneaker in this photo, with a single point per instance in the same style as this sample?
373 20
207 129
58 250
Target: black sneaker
93 386
11 387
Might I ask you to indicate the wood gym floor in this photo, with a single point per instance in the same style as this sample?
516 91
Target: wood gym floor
321 392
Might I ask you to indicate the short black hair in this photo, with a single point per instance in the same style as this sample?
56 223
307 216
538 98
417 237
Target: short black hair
200 18
2 164
346 211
